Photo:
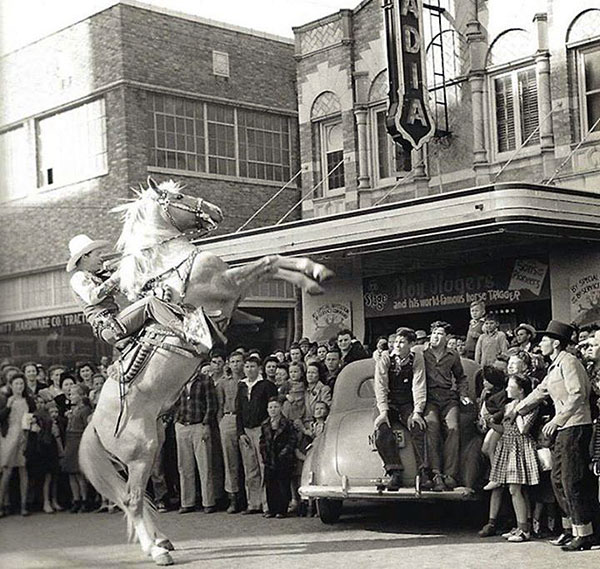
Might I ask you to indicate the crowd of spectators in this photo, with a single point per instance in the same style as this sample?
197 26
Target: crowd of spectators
237 437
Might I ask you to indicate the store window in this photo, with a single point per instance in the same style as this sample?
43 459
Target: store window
72 145
391 160
13 152
515 109
195 136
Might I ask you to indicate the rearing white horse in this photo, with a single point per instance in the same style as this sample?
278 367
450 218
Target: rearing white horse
156 252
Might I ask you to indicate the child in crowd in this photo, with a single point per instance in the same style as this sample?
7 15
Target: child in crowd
494 399
277 446
97 383
491 343
515 462
58 432
318 424
316 390
294 409
297 373
77 417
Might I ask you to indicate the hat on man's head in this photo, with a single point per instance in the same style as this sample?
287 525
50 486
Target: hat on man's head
421 334
528 328
558 330
304 341
81 245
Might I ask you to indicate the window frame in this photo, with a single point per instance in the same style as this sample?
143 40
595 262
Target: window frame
322 124
580 51
42 184
17 185
211 152
379 181
498 73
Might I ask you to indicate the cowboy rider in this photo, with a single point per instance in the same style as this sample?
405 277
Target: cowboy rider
94 291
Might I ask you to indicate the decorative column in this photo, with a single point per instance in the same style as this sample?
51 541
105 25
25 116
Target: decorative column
360 114
542 69
476 43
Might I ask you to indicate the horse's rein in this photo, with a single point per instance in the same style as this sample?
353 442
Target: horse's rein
202 218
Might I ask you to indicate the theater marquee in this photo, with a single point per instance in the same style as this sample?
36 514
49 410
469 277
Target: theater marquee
408 119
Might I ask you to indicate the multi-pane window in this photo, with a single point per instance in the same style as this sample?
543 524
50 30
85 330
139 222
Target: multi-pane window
219 139
332 154
391 159
264 145
72 145
13 152
516 110
589 88
177 130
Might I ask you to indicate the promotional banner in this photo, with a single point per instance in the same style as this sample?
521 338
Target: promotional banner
329 318
506 282
584 288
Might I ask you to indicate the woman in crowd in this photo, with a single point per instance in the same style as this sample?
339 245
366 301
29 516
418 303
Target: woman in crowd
67 381
85 375
30 371
77 420
12 446
42 453
316 390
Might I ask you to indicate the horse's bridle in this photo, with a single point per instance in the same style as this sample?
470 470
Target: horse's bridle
166 202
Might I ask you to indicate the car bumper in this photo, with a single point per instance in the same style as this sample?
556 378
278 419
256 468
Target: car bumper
375 493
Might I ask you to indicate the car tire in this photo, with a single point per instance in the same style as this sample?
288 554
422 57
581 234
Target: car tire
329 510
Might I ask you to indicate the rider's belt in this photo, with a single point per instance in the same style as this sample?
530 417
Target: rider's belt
188 423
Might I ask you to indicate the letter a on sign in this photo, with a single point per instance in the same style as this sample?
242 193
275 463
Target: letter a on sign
408 119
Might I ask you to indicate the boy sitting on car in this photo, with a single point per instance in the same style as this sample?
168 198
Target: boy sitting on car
400 395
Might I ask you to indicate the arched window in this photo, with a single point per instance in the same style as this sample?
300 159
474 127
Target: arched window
583 39
328 137
509 46
389 160
513 91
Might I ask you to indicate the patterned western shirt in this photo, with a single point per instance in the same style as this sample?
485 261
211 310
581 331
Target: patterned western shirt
197 402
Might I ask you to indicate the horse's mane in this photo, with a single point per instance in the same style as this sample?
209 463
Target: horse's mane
143 228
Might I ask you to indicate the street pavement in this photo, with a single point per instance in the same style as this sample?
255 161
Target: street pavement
367 536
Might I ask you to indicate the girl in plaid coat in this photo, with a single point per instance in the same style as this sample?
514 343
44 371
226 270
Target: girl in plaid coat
515 459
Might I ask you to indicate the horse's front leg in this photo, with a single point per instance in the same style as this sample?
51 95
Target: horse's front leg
314 271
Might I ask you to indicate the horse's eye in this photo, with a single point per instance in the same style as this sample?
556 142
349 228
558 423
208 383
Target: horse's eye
178 196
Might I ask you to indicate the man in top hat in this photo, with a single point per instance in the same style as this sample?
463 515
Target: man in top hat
524 335
567 384
94 290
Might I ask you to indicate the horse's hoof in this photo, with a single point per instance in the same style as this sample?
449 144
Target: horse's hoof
165 544
323 274
163 559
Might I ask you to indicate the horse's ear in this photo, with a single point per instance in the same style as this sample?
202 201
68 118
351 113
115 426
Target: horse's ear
152 183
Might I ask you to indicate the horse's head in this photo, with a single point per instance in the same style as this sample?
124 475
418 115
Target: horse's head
183 212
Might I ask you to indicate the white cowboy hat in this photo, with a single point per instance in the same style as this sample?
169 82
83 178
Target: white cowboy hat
80 245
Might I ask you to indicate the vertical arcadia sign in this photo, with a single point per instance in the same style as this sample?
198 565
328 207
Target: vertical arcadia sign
408 118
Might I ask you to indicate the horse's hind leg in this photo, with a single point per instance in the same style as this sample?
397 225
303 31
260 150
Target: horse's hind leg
139 472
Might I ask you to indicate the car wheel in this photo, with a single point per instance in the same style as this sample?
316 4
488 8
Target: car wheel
329 510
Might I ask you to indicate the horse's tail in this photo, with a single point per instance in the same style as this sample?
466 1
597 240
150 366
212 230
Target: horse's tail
100 470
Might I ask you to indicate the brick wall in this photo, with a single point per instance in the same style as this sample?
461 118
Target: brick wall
135 45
